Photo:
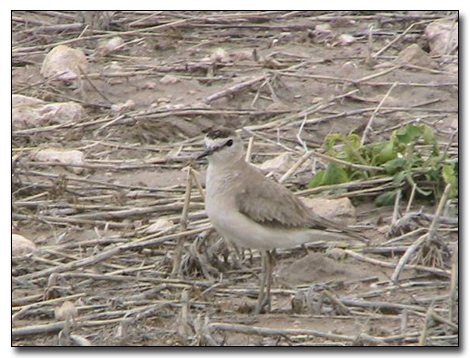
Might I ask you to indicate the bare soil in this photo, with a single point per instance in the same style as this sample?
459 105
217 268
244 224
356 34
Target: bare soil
134 174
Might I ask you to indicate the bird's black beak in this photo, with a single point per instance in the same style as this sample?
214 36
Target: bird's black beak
206 152
210 150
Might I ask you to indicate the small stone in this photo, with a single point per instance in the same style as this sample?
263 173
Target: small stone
30 112
18 100
322 29
279 164
120 107
346 39
336 253
67 157
169 80
163 100
150 85
443 36
414 55
64 63
159 225
66 311
219 55
340 211
108 46
21 246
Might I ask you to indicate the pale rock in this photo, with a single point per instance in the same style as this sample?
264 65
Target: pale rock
219 55
176 106
18 100
21 246
31 112
120 107
159 225
322 29
62 112
66 311
336 253
279 164
64 63
67 157
161 100
340 211
346 39
414 55
108 46
169 80
443 36
150 85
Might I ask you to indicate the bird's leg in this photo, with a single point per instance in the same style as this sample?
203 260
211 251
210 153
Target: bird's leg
261 297
264 298
269 272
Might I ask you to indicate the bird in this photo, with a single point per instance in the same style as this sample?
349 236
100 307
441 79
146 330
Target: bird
255 212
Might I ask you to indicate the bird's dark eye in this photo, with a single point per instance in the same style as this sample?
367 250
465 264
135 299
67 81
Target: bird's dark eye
229 143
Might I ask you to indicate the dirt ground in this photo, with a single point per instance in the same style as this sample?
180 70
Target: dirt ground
273 74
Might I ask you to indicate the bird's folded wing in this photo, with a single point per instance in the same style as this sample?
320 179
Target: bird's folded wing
271 204
265 201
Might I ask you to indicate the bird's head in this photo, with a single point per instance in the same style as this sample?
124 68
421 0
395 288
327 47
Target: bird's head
223 146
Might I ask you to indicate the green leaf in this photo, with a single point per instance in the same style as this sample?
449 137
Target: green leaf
399 177
330 141
354 140
418 189
428 135
386 199
423 192
317 179
401 158
386 154
408 133
395 165
334 174
353 155
451 178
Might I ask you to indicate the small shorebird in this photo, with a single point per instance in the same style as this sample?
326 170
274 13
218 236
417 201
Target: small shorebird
255 212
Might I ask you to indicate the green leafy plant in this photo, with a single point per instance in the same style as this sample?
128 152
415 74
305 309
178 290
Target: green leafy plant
411 156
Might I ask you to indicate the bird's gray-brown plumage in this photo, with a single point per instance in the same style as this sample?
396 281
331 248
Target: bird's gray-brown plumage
280 207
255 212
